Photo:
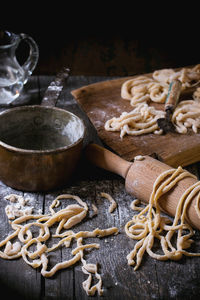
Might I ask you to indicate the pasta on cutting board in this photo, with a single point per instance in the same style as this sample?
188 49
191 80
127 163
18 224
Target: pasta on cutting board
142 90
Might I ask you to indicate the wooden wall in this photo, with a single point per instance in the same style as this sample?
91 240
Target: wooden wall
109 44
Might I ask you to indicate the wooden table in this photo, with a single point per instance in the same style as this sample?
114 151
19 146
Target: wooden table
153 280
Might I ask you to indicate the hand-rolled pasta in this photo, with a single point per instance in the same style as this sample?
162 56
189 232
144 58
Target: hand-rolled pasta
65 219
143 89
164 75
149 224
141 120
196 95
188 76
187 115
113 204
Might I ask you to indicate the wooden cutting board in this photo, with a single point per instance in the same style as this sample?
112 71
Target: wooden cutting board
102 101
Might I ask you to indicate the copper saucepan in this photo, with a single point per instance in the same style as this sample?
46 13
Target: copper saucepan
40 145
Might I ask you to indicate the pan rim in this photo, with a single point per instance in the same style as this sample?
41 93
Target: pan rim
46 151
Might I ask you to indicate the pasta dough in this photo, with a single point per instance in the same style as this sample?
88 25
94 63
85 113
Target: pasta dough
143 89
139 157
148 225
141 120
187 115
65 219
188 76
17 207
196 94
113 204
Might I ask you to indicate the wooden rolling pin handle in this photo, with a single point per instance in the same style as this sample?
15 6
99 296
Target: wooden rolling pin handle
107 160
173 95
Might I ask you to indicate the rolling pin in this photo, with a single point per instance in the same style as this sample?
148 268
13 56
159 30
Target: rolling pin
140 176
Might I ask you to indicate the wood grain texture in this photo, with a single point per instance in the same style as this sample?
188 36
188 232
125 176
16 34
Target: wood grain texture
102 101
154 280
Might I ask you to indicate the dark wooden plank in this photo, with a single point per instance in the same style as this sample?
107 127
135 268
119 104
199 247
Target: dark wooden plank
16 277
90 193
81 189
145 277
52 287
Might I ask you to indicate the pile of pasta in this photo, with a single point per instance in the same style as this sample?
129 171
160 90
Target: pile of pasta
143 89
142 119
22 240
148 226
187 115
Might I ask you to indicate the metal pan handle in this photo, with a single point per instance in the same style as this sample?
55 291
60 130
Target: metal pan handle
54 89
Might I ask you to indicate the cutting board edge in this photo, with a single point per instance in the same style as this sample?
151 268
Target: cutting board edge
186 158
121 78
90 87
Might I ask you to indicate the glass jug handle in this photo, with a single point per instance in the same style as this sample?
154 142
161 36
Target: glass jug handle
32 59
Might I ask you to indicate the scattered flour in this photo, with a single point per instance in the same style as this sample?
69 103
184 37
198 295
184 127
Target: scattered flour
18 207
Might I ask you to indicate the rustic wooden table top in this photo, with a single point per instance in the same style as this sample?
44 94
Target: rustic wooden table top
154 279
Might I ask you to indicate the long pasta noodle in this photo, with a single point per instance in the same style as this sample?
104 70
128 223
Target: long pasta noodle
149 224
65 219
113 204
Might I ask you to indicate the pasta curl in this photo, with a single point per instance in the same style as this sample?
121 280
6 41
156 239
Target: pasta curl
143 89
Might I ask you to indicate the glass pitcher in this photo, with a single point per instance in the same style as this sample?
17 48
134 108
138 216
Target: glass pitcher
12 75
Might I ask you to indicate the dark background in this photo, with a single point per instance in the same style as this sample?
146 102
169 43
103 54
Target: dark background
102 39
